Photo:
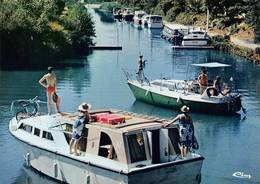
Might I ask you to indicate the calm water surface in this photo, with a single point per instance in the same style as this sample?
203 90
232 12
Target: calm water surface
229 144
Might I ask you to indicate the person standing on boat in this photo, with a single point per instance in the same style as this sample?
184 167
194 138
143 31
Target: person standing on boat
140 72
203 80
78 126
186 130
48 81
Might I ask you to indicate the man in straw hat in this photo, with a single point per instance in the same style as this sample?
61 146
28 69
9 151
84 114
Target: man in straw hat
186 130
78 126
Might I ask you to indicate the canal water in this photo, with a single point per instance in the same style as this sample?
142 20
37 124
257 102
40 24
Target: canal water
229 144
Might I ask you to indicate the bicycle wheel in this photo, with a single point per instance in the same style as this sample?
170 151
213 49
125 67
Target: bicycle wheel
21 115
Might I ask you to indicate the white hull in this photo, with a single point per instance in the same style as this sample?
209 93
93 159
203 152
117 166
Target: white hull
195 42
155 25
74 172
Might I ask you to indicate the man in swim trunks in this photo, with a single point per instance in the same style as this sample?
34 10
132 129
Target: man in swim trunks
203 80
48 81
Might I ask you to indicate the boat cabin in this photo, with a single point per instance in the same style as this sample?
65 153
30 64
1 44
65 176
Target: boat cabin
124 137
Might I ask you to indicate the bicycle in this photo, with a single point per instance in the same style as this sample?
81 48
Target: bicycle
26 108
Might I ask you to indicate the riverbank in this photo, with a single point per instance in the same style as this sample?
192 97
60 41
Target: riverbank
239 44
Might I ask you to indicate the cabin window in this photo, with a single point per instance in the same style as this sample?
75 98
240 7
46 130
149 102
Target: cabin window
106 148
47 135
173 145
136 147
26 128
37 132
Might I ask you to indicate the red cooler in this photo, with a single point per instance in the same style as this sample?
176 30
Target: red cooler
110 118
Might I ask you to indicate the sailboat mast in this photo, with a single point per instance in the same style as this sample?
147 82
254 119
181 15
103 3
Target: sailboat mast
207 21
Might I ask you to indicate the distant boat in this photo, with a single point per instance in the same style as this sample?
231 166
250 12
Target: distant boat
138 17
174 36
128 15
118 13
145 20
155 22
196 38
172 93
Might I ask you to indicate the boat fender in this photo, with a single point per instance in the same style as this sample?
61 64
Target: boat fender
88 179
27 159
55 170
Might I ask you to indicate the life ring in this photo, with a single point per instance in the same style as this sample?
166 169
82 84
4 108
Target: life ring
211 91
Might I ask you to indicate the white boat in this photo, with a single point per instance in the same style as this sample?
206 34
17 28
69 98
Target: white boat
173 93
138 17
153 160
145 20
196 38
155 22
128 14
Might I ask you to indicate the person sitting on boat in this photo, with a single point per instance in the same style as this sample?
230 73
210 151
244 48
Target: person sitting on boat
78 126
49 81
186 130
141 65
218 88
203 80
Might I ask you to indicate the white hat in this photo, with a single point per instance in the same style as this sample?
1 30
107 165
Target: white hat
185 108
84 107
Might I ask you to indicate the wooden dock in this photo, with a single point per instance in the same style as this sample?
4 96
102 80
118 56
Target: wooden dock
192 47
105 47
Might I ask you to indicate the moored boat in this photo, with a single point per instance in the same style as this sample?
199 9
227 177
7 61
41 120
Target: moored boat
116 147
118 13
196 38
128 15
138 17
155 22
174 36
172 93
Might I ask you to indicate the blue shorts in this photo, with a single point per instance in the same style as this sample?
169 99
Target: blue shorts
75 136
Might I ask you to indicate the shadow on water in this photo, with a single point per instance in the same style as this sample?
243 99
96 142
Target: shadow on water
32 176
39 65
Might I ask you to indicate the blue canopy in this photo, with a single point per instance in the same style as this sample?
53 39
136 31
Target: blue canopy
211 65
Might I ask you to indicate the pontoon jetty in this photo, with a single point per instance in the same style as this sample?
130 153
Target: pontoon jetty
116 147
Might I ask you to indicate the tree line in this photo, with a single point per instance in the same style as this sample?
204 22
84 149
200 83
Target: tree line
223 13
43 29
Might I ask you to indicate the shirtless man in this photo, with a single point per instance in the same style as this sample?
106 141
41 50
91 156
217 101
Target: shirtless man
48 81
203 80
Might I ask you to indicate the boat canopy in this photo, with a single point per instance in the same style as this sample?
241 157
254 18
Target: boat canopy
211 65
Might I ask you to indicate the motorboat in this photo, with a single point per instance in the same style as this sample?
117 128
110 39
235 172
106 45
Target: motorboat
155 22
145 20
116 147
118 13
172 93
196 38
174 36
138 17
128 15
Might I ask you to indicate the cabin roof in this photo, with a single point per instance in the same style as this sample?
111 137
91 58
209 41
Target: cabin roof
133 121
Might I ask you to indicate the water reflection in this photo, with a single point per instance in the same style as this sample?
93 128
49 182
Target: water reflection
31 176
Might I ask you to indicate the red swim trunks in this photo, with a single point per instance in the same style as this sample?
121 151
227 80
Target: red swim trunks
50 89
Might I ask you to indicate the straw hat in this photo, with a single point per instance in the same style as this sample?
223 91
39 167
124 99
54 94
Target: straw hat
84 107
185 108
